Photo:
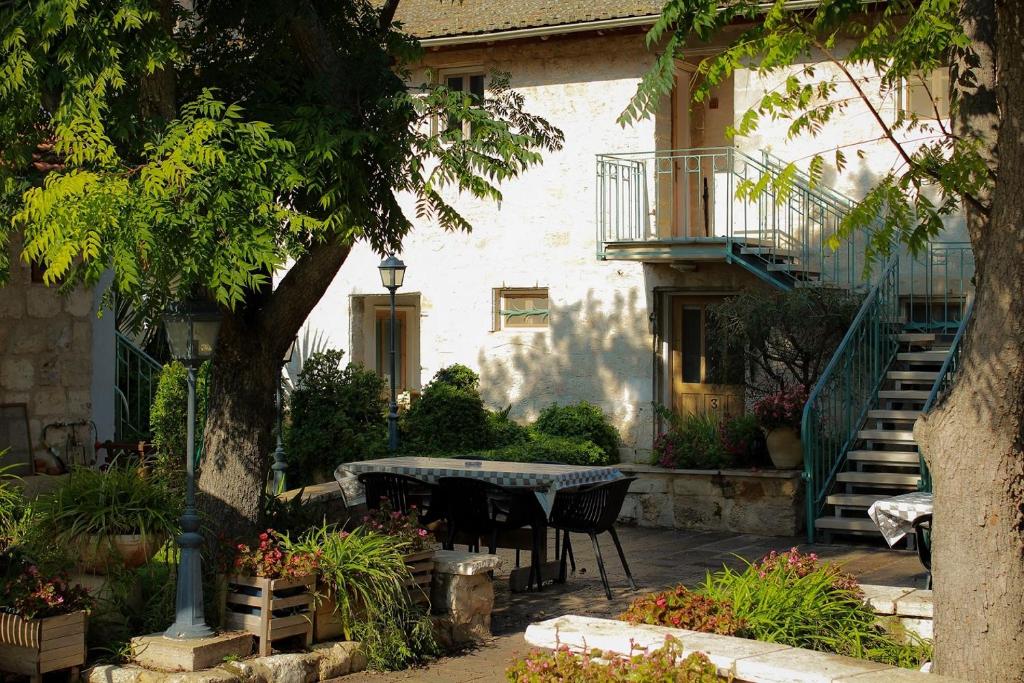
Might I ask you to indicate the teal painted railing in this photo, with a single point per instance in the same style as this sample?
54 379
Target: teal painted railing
686 196
848 388
937 285
947 373
136 378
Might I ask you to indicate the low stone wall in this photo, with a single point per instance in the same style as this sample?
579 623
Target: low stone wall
767 502
911 606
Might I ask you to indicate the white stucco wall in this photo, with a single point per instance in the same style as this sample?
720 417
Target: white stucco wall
599 345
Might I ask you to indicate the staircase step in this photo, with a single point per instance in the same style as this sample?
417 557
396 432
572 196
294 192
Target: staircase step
913 375
915 337
885 457
768 251
933 356
879 478
853 500
904 394
894 435
895 415
848 524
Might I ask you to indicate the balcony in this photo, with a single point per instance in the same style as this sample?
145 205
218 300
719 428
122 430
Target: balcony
715 204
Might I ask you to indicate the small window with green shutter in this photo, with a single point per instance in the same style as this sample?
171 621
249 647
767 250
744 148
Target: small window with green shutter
521 308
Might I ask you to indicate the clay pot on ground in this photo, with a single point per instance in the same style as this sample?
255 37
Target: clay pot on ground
97 554
785 448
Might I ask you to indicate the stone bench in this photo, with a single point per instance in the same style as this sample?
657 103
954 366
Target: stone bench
462 595
748 661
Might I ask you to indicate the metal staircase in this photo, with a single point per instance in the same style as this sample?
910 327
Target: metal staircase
884 460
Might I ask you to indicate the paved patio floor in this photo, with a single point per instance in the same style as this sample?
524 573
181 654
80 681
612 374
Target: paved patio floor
658 559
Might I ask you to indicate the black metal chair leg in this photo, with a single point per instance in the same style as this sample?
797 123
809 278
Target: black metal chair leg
568 548
535 568
563 559
558 545
622 556
600 566
517 558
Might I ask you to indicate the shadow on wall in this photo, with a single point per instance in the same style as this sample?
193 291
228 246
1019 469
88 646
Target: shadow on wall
598 350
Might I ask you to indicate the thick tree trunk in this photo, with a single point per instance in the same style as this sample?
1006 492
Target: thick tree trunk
240 416
973 439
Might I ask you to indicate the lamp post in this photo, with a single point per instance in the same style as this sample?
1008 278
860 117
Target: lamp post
280 466
392 274
192 328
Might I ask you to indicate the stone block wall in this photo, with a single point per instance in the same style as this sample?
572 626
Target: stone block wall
769 502
46 346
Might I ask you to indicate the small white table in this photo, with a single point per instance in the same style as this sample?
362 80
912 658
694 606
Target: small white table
895 516
544 480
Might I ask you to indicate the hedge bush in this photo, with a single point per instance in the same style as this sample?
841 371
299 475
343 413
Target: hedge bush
505 431
582 421
449 417
338 414
540 447
168 416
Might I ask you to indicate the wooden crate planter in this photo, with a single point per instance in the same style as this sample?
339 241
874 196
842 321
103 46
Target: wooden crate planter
421 569
33 647
271 609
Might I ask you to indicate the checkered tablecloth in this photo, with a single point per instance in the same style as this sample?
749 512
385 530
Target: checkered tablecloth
544 480
895 516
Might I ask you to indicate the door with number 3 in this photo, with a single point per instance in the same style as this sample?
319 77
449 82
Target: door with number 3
701 380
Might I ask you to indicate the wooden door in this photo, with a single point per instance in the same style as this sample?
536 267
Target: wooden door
697 359
691 173
382 341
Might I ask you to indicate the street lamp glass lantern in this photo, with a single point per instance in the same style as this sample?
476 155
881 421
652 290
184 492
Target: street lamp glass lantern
192 329
392 272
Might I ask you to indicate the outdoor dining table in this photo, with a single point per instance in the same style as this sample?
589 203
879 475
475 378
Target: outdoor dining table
544 480
901 515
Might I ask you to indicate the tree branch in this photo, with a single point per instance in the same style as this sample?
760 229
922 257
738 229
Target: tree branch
387 13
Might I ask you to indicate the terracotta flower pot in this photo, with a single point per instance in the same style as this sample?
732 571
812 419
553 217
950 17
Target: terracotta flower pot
97 554
785 448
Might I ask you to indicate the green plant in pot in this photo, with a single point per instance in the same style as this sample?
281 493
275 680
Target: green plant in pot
779 415
118 517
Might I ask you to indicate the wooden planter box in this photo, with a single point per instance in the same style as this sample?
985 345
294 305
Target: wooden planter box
35 646
271 609
326 624
421 568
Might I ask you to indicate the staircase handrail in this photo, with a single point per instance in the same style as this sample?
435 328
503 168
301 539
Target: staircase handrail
871 336
136 372
947 373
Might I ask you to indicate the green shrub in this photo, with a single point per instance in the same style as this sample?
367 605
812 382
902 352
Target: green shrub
457 376
743 440
337 414
168 416
365 573
505 431
545 448
791 599
583 421
449 417
692 442
664 665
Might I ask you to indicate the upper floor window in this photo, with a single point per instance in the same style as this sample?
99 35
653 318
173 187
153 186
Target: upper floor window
471 82
521 308
925 94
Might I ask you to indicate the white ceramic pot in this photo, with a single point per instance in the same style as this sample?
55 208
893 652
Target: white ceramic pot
97 554
785 448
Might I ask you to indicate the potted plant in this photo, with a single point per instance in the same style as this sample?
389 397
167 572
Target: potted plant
415 542
116 517
361 578
779 415
270 593
42 623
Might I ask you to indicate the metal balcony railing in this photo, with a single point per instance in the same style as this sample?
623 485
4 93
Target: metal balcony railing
136 378
752 205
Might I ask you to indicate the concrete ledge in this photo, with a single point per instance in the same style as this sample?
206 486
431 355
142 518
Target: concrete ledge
764 502
749 661
464 563
912 607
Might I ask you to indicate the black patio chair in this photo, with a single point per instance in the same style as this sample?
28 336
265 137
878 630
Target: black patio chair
402 492
923 531
480 509
592 510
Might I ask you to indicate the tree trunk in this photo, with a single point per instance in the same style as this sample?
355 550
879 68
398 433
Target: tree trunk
240 416
973 438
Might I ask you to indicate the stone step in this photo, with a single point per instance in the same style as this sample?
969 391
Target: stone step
895 479
913 375
903 394
915 337
885 457
933 356
853 500
894 415
887 435
847 524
